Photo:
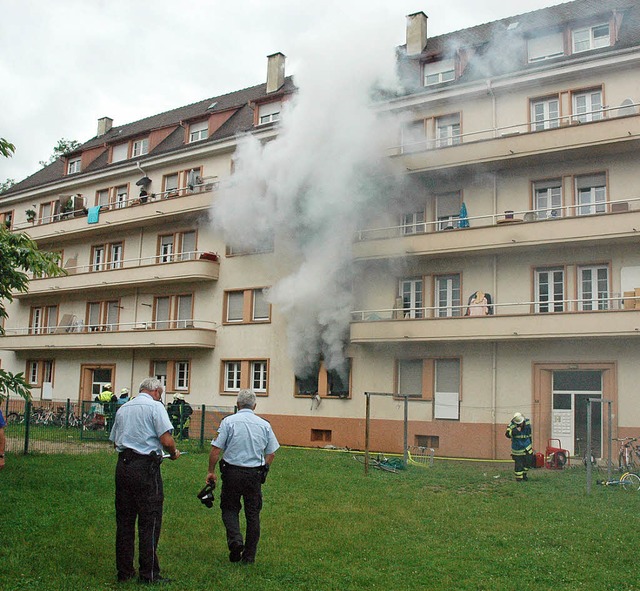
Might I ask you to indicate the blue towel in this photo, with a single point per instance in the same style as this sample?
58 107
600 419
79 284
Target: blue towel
94 214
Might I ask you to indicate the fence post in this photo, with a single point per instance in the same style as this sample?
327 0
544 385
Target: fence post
27 425
67 413
204 410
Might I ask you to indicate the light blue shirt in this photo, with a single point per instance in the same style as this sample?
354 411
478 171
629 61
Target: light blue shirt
246 439
139 425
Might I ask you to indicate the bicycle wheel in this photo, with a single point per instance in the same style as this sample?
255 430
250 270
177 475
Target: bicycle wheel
630 481
14 417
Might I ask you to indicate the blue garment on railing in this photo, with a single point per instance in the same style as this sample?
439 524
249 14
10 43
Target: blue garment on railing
93 215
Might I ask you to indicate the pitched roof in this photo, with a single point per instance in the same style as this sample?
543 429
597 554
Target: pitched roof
240 121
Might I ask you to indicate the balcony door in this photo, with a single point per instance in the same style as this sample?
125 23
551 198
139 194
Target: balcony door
411 292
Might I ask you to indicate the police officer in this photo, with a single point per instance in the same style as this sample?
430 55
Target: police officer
519 431
141 431
249 447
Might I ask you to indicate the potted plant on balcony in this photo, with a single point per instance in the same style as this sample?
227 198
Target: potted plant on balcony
31 215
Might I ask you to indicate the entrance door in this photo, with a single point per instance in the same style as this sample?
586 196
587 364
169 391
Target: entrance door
571 391
93 378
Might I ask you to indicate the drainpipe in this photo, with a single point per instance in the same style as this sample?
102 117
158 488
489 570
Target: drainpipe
494 374
493 107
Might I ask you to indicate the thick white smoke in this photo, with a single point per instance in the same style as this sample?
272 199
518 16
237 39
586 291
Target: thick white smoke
313 186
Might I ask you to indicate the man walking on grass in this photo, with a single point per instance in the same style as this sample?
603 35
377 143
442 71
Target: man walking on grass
249 447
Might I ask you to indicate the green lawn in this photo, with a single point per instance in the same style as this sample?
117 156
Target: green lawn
454 526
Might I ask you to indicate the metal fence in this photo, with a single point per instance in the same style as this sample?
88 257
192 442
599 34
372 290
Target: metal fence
48 426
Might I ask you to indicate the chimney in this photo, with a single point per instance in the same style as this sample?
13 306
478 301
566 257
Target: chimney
416 33
104 125
275 71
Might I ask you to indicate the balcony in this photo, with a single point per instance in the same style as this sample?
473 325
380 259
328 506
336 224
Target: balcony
619 223
614 317
129 212
489 148
192 334
129 273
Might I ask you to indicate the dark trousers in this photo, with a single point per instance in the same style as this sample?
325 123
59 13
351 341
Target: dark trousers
522 464
139 495
242 484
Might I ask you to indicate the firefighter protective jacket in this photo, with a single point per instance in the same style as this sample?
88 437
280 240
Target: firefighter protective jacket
520 438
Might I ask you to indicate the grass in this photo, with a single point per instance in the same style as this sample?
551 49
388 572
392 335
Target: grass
454 526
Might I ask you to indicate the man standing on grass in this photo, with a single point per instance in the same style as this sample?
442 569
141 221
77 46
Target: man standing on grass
141 431
519 431
249 447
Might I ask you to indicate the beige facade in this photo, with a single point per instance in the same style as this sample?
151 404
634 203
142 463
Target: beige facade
543 156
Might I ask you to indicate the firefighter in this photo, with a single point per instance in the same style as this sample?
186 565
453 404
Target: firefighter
180 413
519 431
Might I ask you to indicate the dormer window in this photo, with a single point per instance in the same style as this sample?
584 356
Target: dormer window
590 38
74 165
269 113
120 152
198 131
545 47
439 72
140 147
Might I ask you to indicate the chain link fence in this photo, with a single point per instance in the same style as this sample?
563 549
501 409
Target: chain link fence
48 426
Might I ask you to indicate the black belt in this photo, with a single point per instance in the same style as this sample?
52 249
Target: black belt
130 455
234 467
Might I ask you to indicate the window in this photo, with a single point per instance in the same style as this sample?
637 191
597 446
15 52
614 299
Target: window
173 311
6 218
175 375
106 256
180 246
547 198
120 152
97 258
73 165
448 130
121 196
140 147
269 113
326 383
198 131
246 306
414 136
102 197
171 183
44 319
591 194
587 106
46 213
102 316
545 47
447 294
549 286
448 210
438 72
413 223
115 255
593 287
245 373
431 379
545 114
39 371
590 38
411 293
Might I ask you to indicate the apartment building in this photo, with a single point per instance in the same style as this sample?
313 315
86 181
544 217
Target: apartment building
502 276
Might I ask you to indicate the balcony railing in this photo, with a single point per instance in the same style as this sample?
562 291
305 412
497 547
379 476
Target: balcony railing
594 116
76 325
599 303
510 217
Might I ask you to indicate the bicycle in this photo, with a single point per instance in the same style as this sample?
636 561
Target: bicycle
628 481
380 462
628 454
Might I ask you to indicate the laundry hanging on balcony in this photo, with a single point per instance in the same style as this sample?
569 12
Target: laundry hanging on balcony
463 221
93 215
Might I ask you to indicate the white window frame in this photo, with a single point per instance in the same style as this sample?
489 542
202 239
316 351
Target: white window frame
593 277
269 112
74 165
199 131
413 223
182 371
98 258
410 377
587 105
448 299
140 147
122 195
184 310
448 130
236 296
115 255
411 292
439 72
446 400
120 152
261 309
591 194
545 113
549 288
547 199
259 375
588 38
448 207
232 376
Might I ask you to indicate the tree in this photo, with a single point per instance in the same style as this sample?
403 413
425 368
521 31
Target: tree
6 148
62 147
7 185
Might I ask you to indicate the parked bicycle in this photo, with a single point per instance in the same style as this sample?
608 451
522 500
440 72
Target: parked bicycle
628 481
628 454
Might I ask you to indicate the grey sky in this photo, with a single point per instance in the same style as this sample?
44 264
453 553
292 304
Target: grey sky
67 63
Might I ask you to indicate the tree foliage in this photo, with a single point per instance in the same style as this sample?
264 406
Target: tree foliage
4 186
60 149
19 255
6 148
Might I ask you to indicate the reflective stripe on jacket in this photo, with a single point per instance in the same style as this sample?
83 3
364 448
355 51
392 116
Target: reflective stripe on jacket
520 438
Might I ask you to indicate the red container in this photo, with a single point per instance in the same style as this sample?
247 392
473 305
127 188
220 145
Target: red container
556 458
538 460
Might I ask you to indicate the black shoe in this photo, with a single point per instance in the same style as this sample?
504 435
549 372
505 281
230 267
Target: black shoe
248 560
156 581
235 553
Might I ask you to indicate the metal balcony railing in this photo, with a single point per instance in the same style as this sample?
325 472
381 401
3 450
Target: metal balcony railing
76 325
